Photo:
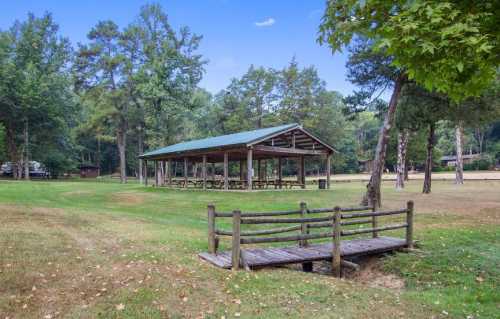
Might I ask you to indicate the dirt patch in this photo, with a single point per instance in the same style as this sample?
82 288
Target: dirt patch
77 264
129 199
371 275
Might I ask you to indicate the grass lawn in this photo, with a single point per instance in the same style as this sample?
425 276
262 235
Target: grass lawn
81 249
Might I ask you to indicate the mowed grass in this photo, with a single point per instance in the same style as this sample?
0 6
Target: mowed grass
78 249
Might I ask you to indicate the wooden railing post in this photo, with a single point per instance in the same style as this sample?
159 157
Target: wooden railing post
409 222
336 261
235 256
212 246
304 227
304 230
374 220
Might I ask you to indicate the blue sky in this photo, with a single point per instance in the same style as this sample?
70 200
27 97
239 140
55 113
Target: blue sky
235 33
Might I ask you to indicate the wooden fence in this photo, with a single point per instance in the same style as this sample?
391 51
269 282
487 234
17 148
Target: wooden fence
333 225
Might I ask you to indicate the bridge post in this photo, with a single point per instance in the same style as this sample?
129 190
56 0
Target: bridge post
374 219
304 230
336 261
235 254
409 222
212 246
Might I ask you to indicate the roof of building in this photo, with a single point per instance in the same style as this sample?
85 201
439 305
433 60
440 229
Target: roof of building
225 141
454 157
87 166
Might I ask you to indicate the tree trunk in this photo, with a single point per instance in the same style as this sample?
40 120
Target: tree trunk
459 167
401 164
140 144
121 140
373 196
98 156
428 161
20 166
407 164
13 151
480 138
26 152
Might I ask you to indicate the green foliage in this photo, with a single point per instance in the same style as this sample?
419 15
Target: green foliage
35 86
444 46
450 47
482 164
137 84
3 150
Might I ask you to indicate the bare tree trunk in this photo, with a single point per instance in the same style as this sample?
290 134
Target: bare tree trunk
428 161
407 164
26 152
373 196
459 167
401 164
19 167
121 140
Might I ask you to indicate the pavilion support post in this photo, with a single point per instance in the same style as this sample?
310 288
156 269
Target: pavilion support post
204 172
302 172
280 172
156 173
299 170
226 171
264 175
160 173
145 173
249 169
328 168
165 173
242 172
259 169
213 172
185 172
169 172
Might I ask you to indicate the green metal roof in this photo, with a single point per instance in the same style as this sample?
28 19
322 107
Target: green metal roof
241 138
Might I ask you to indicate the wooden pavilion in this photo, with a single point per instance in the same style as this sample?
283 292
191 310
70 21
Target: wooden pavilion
262 145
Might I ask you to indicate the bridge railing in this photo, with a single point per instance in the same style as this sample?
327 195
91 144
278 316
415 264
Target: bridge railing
333 224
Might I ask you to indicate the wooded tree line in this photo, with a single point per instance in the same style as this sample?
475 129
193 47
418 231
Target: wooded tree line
131 89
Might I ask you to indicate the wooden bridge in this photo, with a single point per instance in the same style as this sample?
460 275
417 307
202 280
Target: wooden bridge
340 222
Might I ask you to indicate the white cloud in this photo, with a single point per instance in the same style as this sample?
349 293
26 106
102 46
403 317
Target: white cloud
266 23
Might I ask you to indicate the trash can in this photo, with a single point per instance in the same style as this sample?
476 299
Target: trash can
322 183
